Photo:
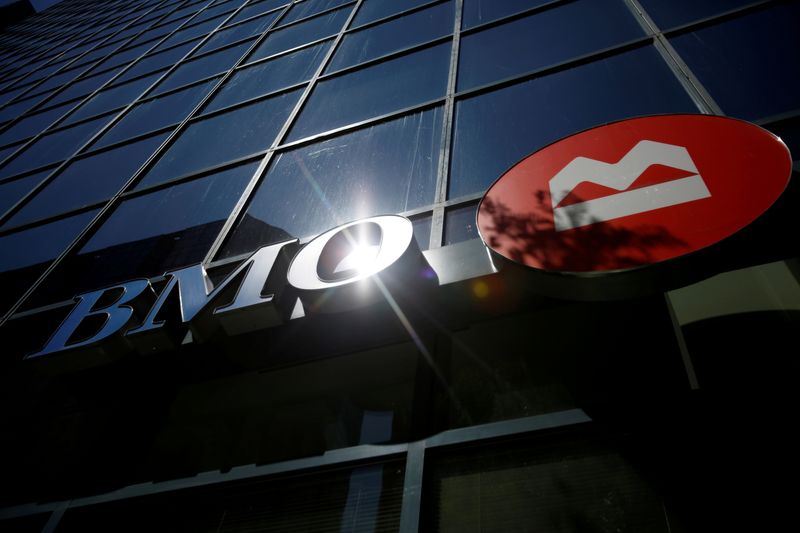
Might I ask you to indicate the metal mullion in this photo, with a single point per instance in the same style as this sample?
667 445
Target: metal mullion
462 200
388 57
719 17
244 199
412 488
514 16
288 51
48 219
315 15
244 103
690 83
238 22
448 120
786 115
393 16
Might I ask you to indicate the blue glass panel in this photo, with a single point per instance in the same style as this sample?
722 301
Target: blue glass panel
155 62
54 147
747 63
387 168
253 9
156 113
88 180
460 225
377 9
548 38
194 31
670 13
270 76
12 191
236 33
495 130
299 34
124 56
16 109
480 11
150 35
396 34
25 255
203 67
246 130
9 95
84 86
113 98
308 8
57 80
33 124
375 90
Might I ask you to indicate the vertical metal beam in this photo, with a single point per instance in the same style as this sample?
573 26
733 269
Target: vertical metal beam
55 517
412 488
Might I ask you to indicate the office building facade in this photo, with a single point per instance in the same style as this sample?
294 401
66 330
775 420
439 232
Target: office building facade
139 139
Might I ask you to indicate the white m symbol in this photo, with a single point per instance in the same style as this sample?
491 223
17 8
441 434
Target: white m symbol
620 176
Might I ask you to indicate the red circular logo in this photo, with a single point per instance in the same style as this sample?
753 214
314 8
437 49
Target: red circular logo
633 193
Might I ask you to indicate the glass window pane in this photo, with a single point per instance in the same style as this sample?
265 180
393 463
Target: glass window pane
54 147
150 234
16 109
396 34
375 90
84 86
745 62
88 180
12 191
150 35
154 62
387 168
124 56
459 224
377 9
26 254
422 230
300 34
481 11
242 31
495 130
548 38
157 113
194 31
270 76
33 124
246 130
670 13
253 9
203 67
308 8
113 98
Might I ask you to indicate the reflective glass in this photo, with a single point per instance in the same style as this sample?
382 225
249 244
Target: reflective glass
16 109
157 61
245 130
253 9
670 13
54 147
12 191
495 130
150 36
745 63
422 230
195 31
459 224
236 33
203 67
150 234
26 254
33 124
57 80
9 95
157 113
547 37
84 86
300 34
386 168
308 8
375 90
377 9
124 56
396 34
88 180
481 11
270 76
113 98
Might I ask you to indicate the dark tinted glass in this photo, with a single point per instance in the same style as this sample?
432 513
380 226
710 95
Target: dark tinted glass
480 11
26 254
670 13
388 168
459 224
16 109
253 9
422 230
124 56
32 124
375 90
495 130
113 98
377 9
54 147
270 76
547 38
396 34
308 8
156 113
84 86
203 67
242 31
12 191
158 61
246 130
745 62
197 30
299 34
150 234
57 80
89 180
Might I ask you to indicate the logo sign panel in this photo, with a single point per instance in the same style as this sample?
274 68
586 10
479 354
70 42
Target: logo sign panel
634 193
